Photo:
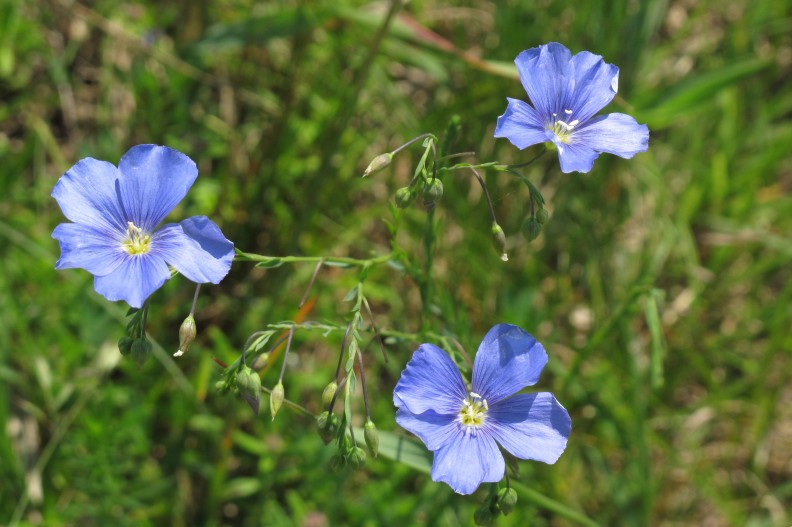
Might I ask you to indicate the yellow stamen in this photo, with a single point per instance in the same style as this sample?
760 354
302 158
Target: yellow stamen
137 241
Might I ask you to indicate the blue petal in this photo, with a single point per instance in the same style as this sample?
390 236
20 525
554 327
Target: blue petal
134 280
467 461
98 252
615 133
87 195
575 157
196 248
592 85
508 360
154 180
521 125
433 429
431 381
544 73
530 426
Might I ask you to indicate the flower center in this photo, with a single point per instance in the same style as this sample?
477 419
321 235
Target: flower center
473 412
563 129
137 241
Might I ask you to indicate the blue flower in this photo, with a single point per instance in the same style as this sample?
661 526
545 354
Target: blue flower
566 92
463 427
115 213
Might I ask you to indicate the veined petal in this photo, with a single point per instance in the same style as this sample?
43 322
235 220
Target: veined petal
592 85
154 180
521 125
575 157
97 251
467 461
88 194
196 248
508 360
434 429
431 381
134 280
530 426
544 73
615 133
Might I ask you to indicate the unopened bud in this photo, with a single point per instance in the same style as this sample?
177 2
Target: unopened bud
378 163
531 228
141 350
329 393
357 458
404 196
542 215
249 386
432 192
327 425
187 332
276 399
499 240
371 436
125 345
507 500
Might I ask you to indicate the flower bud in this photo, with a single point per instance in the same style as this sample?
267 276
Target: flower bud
378 163
404 196
531 228
542 215
327 424
249 385
507 499
499 240
276 399
329 393
371 436
432 192
141 350
125 345
187 332
357 457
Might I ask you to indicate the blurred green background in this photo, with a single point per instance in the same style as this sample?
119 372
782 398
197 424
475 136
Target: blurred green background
660 286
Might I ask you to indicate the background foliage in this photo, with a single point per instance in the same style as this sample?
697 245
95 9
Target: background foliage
661 285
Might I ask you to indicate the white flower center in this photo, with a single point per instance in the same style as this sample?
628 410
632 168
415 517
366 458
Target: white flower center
563 129
473 412
137 241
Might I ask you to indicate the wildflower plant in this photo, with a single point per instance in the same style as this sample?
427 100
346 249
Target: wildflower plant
115 212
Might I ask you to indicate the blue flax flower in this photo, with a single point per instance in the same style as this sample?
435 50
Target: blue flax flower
115 213
566 91
463 427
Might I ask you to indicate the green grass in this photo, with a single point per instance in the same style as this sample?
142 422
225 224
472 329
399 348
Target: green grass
660 286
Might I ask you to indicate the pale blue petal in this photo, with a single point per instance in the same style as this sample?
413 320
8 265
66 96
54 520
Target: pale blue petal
134 280
544 73
521 125
98 252
530 426
196 248
466 461
433 429
508 360
592 85
575 157
615 133
154 180
87 194
431 381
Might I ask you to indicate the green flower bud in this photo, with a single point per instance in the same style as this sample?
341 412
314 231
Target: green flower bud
432 192
248 382
378 163
141 350
484 516
328 393
507 499
125 345
276 399
371 436
337 462
404 196
357 458
542 215
327 425
499 241
531 228
187 332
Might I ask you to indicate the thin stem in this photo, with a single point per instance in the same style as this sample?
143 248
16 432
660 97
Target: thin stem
195 299
486 193
434 161
376 331
329 260
341 353
411 141
311 283
458 154
363 385
290 404
286 354
520 165
335 395
426 280
144 319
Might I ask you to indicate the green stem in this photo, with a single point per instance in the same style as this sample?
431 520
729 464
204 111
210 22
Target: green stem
327 260
426 280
